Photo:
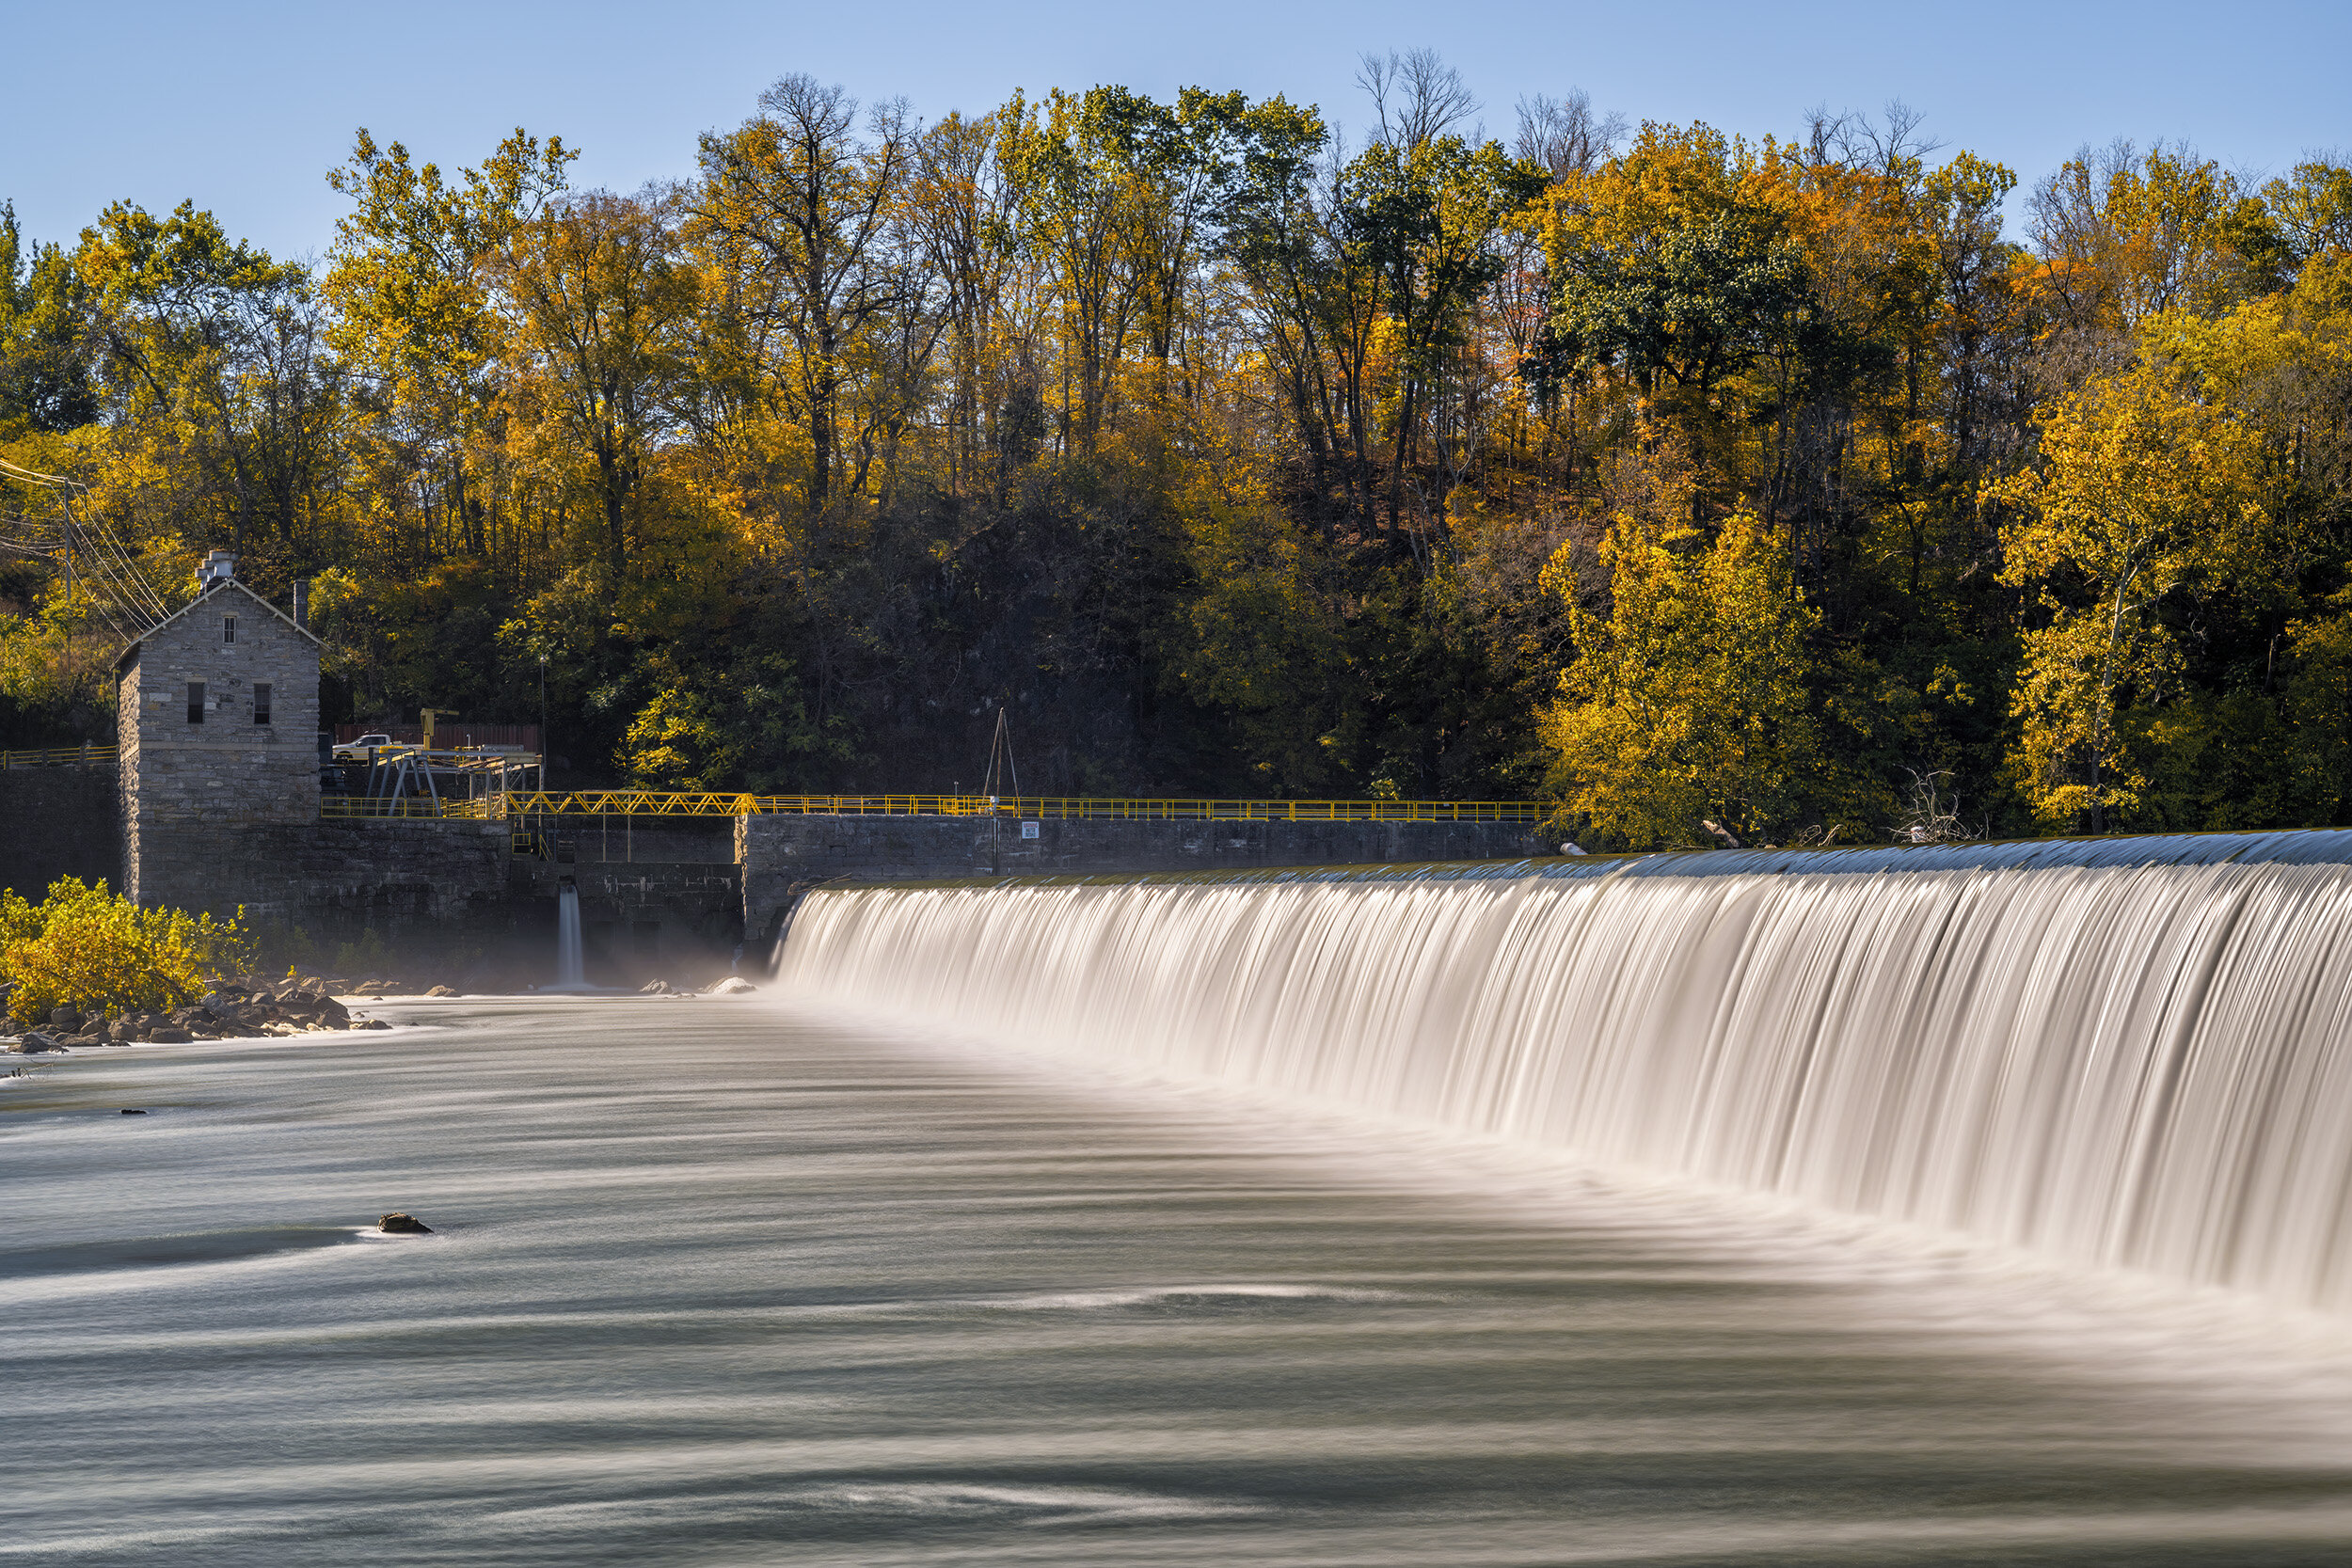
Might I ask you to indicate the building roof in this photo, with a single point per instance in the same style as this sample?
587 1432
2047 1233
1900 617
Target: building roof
209 596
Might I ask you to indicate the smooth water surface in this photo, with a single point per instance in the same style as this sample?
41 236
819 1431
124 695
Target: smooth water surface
733 1282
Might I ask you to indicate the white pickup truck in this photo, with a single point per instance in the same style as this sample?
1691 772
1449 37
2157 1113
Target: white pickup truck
359 749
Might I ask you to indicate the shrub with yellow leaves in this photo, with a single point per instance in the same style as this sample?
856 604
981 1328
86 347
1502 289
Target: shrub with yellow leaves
92 950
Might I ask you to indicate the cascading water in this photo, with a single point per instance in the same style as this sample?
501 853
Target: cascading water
2126 1053
570 973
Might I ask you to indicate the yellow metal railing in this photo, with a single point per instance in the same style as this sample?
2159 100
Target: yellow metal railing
60 756
663 802
402 806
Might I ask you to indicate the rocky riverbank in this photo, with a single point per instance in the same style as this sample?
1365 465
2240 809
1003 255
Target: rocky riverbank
247 1011
229 1013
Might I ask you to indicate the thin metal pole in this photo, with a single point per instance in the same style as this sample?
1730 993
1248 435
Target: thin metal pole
67 508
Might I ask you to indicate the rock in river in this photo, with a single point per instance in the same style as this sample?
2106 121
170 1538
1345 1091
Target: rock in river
397 1224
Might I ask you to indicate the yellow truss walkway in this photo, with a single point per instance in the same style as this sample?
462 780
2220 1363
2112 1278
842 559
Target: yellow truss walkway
663 802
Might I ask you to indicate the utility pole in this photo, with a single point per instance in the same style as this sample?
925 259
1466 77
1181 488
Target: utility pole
999 764
68 510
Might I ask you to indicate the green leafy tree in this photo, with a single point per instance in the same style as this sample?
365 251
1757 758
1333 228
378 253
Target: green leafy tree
1428 215
45 380
1668 261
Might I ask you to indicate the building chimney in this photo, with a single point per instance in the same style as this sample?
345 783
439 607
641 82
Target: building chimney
219 567
302 603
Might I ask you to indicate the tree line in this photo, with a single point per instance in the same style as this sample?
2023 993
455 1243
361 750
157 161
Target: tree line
1799 490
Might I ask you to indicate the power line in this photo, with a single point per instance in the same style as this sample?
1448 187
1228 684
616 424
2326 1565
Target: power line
126 601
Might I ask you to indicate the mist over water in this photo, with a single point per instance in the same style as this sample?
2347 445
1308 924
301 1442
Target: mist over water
803 1278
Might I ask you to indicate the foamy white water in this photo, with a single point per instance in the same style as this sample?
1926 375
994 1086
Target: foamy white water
2130 1054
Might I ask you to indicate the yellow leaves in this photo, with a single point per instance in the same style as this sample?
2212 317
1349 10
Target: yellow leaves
2143 490
2126 239
1675 178
1671 177
670 739
1558 574
1689 701
87 948
2305 332
2142 486
411 304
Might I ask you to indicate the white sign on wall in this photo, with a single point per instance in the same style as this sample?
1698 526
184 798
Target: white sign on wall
1028 830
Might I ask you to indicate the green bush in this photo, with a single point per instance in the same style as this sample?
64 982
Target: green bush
365 957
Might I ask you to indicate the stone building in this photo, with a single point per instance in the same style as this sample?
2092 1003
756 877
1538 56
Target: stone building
217 714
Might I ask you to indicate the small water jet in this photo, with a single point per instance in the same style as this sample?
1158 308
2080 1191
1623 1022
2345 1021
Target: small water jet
570 968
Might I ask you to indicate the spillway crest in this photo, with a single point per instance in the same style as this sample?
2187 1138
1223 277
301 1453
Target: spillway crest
2126 1053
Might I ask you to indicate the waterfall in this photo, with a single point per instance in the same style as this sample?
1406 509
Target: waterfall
2130 1053
570 975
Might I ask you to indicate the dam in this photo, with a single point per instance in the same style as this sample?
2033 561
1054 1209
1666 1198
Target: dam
222 794
1935 1207
2127 1054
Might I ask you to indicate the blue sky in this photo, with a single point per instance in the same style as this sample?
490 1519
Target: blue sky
245 108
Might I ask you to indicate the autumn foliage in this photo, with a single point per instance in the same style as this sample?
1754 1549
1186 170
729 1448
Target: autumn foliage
1666 474
95 950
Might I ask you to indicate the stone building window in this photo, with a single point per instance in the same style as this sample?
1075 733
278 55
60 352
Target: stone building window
260 702
196 702
228 629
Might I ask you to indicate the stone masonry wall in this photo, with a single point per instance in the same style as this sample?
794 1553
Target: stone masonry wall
643 919
177 775
779 856
429 888
58 822
429 883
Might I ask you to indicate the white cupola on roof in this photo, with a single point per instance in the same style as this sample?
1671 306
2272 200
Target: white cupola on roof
220 567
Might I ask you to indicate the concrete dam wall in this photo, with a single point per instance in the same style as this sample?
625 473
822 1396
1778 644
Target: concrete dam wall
783 856
657 893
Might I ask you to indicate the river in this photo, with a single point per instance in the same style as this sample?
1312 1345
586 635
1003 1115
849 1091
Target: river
761 1281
